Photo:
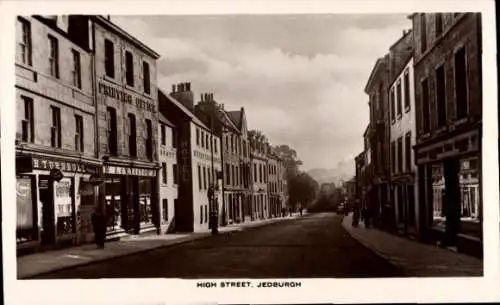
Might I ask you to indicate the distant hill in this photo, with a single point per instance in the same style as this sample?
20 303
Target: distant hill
343 171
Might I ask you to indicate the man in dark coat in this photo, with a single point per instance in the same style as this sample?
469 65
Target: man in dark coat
98 223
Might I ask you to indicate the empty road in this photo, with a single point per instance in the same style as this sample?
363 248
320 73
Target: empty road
315 246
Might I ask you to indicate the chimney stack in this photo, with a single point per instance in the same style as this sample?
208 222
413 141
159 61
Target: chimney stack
183 94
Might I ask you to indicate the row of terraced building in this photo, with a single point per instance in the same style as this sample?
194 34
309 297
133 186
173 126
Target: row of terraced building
95 132
420 171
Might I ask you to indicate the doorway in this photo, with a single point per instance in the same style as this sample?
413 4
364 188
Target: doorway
47 204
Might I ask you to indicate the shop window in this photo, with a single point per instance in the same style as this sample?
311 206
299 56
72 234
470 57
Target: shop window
63 201
28 126
206 213
109 58
79 133
425 106
54 56
112 131
149 140
469 190
113 203
26 227
164 172
461 90
441 96
145 195
438 193
76 72
146 79
165 209
175 173
25 42
201 214
55 131
129 68
406 83
163 135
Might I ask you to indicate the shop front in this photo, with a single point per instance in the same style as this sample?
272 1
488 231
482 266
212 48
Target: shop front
130 200
54 201
449 178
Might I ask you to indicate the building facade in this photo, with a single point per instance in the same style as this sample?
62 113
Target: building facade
258 155
55 148
381 209
127 120
272 185
403 135
233 186
402 132
245 165
448 97
199 162
169 175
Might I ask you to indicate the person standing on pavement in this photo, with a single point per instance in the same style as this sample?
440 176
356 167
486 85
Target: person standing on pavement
99 226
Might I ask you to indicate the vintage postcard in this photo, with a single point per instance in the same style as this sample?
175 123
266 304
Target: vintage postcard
249 152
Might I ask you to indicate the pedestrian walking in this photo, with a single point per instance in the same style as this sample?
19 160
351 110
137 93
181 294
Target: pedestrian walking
300 210
99 226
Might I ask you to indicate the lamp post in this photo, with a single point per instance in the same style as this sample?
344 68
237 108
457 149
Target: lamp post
211 191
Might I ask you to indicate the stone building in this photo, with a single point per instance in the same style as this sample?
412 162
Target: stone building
402 132
239 119
127 120
198 160
258 155
448 98
56 151
272 184
169 175
380 207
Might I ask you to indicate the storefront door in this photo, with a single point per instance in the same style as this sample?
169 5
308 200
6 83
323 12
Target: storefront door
47 205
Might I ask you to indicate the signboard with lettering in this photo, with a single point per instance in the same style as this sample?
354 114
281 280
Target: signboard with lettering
130 171
69 166
126 97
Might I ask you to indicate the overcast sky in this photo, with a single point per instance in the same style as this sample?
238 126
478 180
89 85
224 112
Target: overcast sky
300 77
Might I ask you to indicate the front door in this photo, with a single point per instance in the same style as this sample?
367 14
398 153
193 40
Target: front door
47 203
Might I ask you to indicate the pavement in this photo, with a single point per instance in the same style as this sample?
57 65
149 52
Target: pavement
414 258
312 246
41 263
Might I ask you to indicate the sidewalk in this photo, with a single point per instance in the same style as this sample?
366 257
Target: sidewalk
45 262
415 258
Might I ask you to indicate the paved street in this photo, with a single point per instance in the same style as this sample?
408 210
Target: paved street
314 246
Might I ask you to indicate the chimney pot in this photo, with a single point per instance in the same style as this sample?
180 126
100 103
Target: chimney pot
201 97
173 88
188 86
